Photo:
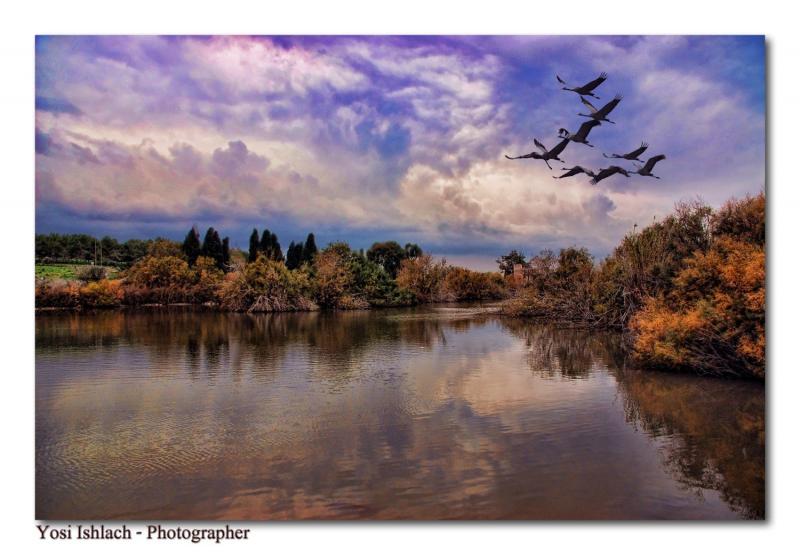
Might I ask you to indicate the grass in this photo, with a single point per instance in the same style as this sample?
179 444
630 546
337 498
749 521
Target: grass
65 271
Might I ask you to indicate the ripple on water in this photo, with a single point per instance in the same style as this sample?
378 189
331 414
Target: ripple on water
440 412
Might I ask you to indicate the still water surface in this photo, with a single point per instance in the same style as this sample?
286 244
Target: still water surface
426 413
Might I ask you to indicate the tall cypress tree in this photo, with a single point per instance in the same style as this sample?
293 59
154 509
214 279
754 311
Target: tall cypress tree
309 249
265 245
226 253
191 246
212 246
277 253
294 255
253 254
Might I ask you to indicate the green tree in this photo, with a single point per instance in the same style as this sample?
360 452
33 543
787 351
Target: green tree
109 250
507 261
309 249
265 245
294 255
270 246
253 253
277 253
212 246
388 254
412 250
226 253
191 246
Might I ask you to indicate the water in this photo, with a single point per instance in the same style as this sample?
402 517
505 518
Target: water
426 413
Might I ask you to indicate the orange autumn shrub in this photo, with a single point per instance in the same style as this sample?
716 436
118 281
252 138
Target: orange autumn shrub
57 294
160 271
104 293
159 280
461 284
713 318
265 286
333 277
423 277
743 219
207 280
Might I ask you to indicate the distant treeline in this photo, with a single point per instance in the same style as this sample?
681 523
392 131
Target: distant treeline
81 248
265 280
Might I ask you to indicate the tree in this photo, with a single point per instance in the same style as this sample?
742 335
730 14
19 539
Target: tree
423 277
253 253
270 246
507 262
294 255
388 254
277 253
333 274
109 250
265 245
574 264
161 247
309 249
413 250
212 246
191 245
226 253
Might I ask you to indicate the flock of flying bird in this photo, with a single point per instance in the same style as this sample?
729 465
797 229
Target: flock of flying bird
596 117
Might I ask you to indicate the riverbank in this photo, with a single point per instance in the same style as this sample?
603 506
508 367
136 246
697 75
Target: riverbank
689 290
337 279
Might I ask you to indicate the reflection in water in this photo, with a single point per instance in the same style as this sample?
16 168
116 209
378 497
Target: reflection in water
424 413
717 430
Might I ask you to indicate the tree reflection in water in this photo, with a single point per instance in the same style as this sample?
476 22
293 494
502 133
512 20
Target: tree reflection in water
485 408
713 429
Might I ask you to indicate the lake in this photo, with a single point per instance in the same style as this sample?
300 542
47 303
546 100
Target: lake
435 412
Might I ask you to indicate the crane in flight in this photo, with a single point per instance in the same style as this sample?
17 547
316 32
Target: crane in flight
608 172
574 170
647 169
545 154
584 90
582 136
632 155
602 113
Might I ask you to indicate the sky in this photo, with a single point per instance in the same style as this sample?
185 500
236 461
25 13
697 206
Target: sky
365 139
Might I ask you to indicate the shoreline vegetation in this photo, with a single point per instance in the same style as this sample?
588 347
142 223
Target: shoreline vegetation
689 289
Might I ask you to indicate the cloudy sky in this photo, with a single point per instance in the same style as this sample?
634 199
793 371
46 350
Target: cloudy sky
373 138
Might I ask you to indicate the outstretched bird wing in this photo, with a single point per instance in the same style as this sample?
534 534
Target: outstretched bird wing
651 162
589 105
605 110
540 145
634 154
574 171
560 80
583 132
558 148
602 174
591 85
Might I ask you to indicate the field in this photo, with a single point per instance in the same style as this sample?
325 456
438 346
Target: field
66 271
